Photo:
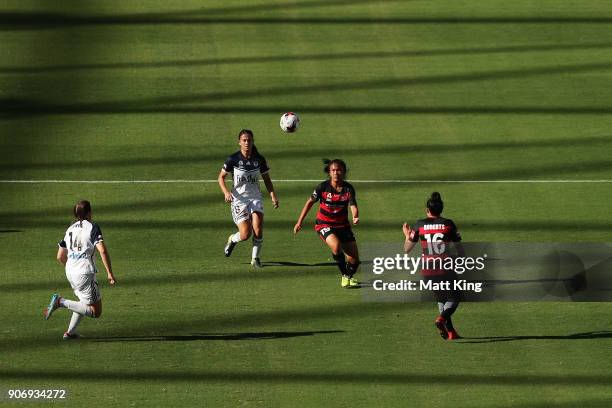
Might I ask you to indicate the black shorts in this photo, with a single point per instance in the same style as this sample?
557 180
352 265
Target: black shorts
450 295
343 234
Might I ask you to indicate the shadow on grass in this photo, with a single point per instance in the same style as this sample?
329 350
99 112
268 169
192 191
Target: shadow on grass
316 153
264 59
287 263
575 336
11 20
16 20
9 231
295 377
201 199
217 336
16 107
287 225
186 279
249 321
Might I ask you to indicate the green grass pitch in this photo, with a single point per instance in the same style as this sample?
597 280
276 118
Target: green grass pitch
402 90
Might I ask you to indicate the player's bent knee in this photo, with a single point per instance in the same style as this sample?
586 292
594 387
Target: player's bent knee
245 235
335 247
336 250
96 310
352 259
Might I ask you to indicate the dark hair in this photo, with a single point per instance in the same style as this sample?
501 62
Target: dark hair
328 163
250 133
435 205
81 210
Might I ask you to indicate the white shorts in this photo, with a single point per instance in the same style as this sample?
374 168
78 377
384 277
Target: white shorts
242 210
85 286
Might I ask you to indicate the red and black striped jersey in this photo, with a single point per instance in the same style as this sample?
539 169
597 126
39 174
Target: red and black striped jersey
333 204
435 234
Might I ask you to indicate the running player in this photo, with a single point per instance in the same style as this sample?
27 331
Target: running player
437 235
247 165
335 196
76 252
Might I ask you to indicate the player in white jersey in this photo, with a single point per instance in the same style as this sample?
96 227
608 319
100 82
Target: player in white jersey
246 165
76 251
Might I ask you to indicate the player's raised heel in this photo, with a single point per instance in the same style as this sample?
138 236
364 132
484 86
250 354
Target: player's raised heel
229 246
453 335
441 325
71 336
53 305
256 263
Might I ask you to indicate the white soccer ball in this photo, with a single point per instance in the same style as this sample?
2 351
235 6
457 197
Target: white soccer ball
289 122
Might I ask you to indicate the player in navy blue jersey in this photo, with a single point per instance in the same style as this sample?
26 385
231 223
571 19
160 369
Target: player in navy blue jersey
246 165
437 235
335 197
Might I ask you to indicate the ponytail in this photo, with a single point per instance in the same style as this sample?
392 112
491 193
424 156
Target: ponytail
435 205
82 210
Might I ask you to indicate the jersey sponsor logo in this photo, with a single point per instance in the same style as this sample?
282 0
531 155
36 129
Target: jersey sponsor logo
335 197
249 178
77 255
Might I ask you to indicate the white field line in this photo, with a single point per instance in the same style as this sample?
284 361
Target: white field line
297 181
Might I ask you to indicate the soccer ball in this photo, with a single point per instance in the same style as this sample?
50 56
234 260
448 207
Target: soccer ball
289 122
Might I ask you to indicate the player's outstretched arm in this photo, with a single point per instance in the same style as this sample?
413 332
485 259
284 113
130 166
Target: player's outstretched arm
106 261
307 207
408 244
62 255
270 187
355 213
226 193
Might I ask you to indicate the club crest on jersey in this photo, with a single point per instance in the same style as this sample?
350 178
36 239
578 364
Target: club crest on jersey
240 162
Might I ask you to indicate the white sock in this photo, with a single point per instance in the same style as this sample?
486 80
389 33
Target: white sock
74 322
257 247
236 238
77 307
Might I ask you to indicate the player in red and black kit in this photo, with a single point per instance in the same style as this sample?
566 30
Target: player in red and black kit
335 197
437 235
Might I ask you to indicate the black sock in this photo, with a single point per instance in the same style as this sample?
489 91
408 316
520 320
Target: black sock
341 262
449 324
351 269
